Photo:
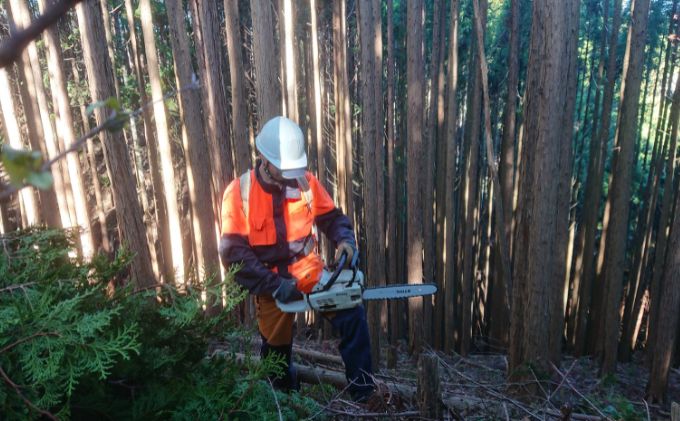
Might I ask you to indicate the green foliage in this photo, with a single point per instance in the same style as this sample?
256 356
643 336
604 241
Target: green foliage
25 167
73 347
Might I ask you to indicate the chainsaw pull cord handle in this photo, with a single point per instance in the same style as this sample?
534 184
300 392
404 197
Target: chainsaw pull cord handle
334 277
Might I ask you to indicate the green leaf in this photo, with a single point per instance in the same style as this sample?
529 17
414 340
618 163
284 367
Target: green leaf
111 102
117 121
20 163
42 180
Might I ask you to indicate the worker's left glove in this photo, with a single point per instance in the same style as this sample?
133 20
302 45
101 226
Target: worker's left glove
349 248
287 291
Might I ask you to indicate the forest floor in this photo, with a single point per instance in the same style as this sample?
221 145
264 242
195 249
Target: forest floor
476 388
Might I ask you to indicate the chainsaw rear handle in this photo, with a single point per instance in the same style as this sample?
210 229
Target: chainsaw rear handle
340 265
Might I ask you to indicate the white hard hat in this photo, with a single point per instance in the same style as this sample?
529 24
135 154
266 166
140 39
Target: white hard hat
282 143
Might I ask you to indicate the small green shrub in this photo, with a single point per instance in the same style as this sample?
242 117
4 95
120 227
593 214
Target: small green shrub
72 349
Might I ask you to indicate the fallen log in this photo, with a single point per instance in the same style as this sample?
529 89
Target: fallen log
455 403
317 356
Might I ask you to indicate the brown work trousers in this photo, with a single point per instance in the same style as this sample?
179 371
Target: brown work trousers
275 326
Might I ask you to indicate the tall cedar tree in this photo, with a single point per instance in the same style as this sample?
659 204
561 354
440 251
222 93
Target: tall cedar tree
128 211
619 193
536 284
414 146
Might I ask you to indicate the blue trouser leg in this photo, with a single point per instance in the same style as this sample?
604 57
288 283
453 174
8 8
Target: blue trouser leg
355 349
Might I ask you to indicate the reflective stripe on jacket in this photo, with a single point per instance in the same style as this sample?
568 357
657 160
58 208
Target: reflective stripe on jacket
276 230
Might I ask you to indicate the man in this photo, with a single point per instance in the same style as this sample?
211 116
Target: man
267 219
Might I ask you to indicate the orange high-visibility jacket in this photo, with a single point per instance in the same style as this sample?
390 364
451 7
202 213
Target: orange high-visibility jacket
274 237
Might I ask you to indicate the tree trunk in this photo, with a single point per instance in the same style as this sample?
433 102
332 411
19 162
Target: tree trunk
196 149
469 193
372 137
163 252
290 59
430 144
666 336
664 223
27 194
92 164
343 122
584 272
573 303
315 115
536 281
500 308
128 211
164 146
451 129
239 104
54 202
619 196
414 164
264 52
65 121
392 260
211 69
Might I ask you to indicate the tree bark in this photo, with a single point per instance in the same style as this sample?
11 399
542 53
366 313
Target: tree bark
469 194
414 230
451 157
391 226
290 60
196 149
164 146
211 69
573 302
239 104
430 145
371 133
128 212
666 336
7 105
663 234
264 52
537 250
619 196
343 121
163 252
584 272
500 308
65 122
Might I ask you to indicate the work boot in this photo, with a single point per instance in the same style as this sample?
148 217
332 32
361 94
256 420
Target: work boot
289 380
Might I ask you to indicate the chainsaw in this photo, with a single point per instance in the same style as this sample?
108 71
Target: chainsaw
344 288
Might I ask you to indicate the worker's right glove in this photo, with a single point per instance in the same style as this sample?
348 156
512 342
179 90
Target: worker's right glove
287 291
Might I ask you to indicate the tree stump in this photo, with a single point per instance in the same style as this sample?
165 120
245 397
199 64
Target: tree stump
429 387
675 411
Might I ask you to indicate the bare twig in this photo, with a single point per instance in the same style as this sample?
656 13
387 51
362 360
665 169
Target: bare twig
26 339
276 399
559 386
375 414
647 409
24 398
490 391
581 395
19 286
11 48
109 124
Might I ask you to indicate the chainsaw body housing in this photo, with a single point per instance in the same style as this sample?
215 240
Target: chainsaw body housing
345 293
